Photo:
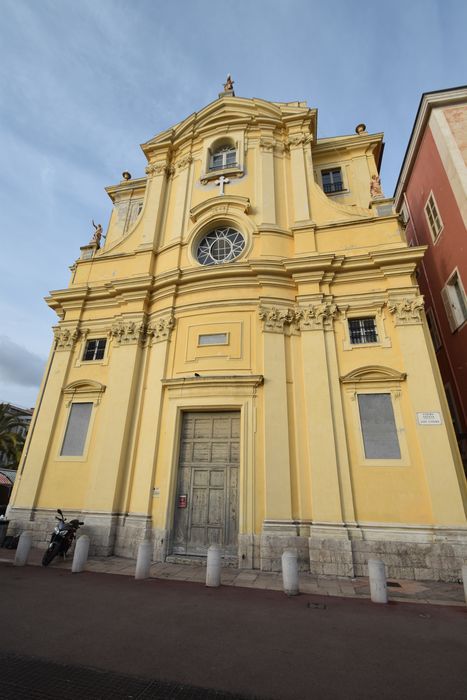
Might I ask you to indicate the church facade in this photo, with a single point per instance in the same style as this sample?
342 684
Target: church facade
246 362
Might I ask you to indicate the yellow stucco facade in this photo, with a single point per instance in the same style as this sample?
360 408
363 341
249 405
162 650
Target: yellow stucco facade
269 385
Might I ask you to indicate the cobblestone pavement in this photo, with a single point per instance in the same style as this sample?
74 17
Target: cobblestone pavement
431 592
27 678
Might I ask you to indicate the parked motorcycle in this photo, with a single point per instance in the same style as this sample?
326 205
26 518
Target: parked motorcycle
62 538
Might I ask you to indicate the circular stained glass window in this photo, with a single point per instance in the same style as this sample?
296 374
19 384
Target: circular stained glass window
219 246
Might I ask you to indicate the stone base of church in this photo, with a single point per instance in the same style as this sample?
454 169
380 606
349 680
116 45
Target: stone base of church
429 554
409 552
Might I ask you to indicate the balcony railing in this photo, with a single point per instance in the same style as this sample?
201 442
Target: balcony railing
223 166
331 187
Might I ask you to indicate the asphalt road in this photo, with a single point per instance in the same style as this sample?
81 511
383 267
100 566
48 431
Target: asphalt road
244 641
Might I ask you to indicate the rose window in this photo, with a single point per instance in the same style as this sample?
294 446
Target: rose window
219 246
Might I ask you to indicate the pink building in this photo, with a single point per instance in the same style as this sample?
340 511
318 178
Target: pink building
431 197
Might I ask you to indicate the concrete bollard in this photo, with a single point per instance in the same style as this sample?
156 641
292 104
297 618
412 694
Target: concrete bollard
377 575
143 561
464 578
290 572
80 556
213 568
22 551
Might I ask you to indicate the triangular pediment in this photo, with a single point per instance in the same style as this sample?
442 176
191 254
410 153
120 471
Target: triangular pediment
373 374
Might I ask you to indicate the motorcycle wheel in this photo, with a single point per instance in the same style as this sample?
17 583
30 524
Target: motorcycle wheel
50 553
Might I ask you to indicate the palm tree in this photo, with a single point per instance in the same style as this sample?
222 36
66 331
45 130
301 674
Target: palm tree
11 438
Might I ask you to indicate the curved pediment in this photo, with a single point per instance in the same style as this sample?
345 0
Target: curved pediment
84 386
373 374
232 111
224 204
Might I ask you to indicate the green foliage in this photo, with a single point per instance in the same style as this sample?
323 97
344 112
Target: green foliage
11 442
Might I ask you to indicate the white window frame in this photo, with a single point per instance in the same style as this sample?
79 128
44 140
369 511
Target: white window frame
455 301
435 223
335 166
235 139
375 312
91 340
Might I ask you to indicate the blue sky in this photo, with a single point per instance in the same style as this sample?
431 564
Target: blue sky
84 82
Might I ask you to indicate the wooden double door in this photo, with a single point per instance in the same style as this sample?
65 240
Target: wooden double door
206 505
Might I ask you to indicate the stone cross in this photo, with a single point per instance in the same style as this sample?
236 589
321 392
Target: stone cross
221 182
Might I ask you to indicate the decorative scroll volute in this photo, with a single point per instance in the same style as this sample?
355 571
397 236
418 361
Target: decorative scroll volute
65 338
407 311
162 167
316 317
277 320
128 332
161 329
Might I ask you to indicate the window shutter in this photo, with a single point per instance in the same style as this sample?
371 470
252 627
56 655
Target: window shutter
446 297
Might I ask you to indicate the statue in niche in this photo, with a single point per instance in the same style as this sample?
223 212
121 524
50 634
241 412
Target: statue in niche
97 235
229 83
375 186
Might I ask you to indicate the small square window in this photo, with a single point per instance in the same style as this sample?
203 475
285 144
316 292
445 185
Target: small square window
433 217
332 180
362 330
94 350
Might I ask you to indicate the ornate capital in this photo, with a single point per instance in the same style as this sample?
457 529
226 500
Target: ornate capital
316 317
296 140
160 168
65 338
128 332
185 161
406 311
266 143
161 329
277 320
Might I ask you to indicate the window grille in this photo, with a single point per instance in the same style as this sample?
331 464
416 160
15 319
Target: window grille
362 330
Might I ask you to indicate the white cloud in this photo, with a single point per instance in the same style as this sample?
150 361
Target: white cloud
18 365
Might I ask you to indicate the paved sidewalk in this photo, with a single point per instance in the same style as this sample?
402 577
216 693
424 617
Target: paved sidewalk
399 590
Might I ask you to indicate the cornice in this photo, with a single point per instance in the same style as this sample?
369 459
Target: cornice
351 141
428 102
246 380
126 187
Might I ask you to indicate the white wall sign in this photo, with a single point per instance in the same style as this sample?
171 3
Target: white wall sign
156 492
429 418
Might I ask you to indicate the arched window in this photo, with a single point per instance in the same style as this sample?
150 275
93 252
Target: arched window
223 157
220 246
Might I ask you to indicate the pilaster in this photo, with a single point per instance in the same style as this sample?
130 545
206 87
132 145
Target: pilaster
267 197
28 483
158 174
441 460
315 320
278 495
111 456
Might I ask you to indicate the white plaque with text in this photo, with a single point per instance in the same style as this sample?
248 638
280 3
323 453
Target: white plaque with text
429 418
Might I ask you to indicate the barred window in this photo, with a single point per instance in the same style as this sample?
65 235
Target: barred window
94 349
362 330
224 157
